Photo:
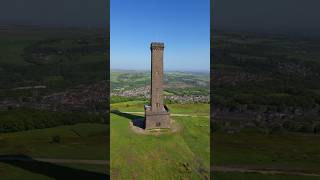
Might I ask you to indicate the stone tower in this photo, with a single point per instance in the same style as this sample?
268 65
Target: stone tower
157 115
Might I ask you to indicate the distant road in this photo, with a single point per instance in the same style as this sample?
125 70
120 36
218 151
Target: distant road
260 171
74 161
57 161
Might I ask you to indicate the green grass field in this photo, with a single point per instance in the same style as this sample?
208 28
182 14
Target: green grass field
85 141
29 171
12 172
56 59
185 83
293 152
254 176
181 155
189 109
288 152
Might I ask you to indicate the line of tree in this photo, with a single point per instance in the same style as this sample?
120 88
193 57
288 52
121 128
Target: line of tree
27 119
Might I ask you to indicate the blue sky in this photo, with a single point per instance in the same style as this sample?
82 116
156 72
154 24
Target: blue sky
183 25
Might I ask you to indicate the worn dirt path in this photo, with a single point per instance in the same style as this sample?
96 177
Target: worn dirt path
58 161
213 168
260 171
181 115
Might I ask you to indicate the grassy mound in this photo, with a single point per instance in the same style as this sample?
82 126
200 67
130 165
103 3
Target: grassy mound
169 156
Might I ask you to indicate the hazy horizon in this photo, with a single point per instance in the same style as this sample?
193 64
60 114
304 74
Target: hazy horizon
272 16
167 70
49 27
58 13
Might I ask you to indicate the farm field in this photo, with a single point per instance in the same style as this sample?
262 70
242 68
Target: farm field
265 106
54 58
253 150
46 130
48 171
249 176
183 154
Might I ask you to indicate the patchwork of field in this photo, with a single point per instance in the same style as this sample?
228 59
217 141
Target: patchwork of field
265 93
130 79
184 154
55 58
43 132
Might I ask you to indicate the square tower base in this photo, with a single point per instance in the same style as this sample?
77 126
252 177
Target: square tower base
157 120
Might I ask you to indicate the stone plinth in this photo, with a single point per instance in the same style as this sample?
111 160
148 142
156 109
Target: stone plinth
155 120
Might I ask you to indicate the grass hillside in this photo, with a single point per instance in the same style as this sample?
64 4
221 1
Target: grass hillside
248 176
55 58
80 141
251 148
182 155
77 142
265 113
53 103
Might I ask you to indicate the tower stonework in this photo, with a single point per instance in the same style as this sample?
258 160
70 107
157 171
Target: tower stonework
157 115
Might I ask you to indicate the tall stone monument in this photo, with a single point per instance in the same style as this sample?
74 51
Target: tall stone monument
157 114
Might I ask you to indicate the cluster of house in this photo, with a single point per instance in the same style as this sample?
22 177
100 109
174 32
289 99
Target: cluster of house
82 97
145 92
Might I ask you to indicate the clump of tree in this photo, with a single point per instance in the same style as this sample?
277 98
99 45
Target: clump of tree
189 91
56 139
26 119
275 128
316 128
118 99
301 126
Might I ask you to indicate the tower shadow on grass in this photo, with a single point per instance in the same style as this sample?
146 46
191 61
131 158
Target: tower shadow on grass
51 170
136 120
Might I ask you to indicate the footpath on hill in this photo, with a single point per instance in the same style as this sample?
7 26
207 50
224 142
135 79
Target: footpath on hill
172 114
58 161
260 171
213 168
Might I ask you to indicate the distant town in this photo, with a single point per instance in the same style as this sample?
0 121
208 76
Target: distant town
179 87
145 93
